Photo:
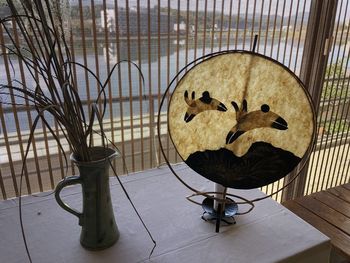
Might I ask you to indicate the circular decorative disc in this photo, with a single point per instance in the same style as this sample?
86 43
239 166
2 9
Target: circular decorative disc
241 119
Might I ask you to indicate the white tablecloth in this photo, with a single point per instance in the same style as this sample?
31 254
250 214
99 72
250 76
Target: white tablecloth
270 233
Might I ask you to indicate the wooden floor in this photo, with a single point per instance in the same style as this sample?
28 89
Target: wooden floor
329 212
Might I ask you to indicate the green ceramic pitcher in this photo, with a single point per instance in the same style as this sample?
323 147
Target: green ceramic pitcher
99 229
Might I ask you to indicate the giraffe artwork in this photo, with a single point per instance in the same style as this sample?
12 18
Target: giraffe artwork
251 125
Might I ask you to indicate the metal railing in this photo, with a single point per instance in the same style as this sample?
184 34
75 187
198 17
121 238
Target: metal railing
161 38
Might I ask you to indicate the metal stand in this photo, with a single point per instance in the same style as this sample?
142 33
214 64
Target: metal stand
215 211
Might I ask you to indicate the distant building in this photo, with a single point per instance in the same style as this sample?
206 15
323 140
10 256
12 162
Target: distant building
141 22
110 15
180 27
287 28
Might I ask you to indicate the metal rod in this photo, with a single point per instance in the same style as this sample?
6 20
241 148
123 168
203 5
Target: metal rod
281 29
299 39
293 36
120 88
253 26
108 68
94 33
141 92
151 109
229 26
287 31
245 24
254 44
168 66
221 23
237 22
213 27
267 27
204 24
261 21
159 155
131 110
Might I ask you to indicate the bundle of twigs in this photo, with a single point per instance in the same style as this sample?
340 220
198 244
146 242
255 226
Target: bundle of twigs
36 36
44 52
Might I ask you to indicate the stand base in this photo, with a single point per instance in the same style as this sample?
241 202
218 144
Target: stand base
211 215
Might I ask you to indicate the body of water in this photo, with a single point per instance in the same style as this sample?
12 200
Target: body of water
158 63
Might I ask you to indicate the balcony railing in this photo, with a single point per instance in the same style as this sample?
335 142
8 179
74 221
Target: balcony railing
162 38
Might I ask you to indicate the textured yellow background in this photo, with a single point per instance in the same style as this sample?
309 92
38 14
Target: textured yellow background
227 77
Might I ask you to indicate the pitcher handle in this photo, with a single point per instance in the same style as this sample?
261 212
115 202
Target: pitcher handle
66 182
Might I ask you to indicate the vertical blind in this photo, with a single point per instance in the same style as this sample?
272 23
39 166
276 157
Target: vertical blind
161 37
329 163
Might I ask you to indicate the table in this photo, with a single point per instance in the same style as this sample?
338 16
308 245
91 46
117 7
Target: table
270 233
328 211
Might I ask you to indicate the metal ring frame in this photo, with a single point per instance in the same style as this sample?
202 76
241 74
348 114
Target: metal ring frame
299 167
